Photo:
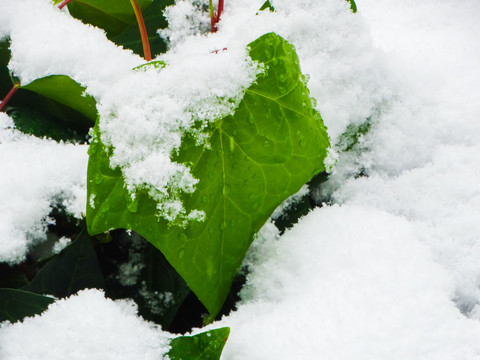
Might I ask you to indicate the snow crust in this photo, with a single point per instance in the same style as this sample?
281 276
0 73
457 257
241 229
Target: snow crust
37 175
84 326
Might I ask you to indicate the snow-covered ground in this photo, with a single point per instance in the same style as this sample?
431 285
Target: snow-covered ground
390 267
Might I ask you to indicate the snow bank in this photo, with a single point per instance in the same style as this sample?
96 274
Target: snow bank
84 326
349 282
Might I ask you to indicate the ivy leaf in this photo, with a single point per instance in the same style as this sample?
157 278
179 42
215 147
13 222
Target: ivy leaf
74 269
66 91
15 305
154 20
113 16
204 346
272 145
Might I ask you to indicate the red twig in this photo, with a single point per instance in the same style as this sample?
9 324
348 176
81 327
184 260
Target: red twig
65 2
9 96
143 31
214 20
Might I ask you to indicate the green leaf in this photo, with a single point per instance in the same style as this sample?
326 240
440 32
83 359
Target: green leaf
111 15
353 6
74 269
267 5
273 144
66 91
204 346
153 17
15 305
352 135
159 278
5 55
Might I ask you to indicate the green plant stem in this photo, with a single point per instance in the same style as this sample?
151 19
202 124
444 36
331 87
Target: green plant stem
65 2
143 31
9 96
212 16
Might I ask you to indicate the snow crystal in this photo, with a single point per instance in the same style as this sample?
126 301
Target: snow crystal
84 326
38 174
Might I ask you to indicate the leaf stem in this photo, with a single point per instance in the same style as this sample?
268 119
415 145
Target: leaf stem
65 2
9 96
143 31
212 16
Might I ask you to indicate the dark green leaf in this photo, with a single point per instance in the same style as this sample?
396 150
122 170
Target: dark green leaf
204 346
15 305
154 20
273 144
74 269
65 91
5 54
111 15
163 289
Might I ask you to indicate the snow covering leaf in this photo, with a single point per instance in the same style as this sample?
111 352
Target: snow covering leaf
66 91
272 145
154 20
113 16
75 268
204 346
15 305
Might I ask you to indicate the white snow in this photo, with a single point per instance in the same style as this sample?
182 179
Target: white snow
37 174
388 269
84 326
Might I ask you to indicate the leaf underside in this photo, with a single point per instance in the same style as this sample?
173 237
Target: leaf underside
272 145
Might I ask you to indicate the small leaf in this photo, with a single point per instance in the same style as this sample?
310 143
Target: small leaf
273 144
353 6
204 346
154 20
267 5
74 268
66 91
113 16
15 305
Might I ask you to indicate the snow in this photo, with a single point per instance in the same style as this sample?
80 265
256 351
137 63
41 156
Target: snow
37 175
84 326
388 268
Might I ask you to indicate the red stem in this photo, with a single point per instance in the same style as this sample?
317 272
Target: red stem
143 31
65 2
9 96
220 9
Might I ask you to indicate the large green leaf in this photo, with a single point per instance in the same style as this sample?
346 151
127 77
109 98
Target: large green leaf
66 91
111 15
204 346
74 269
15 305
273 144
154 20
